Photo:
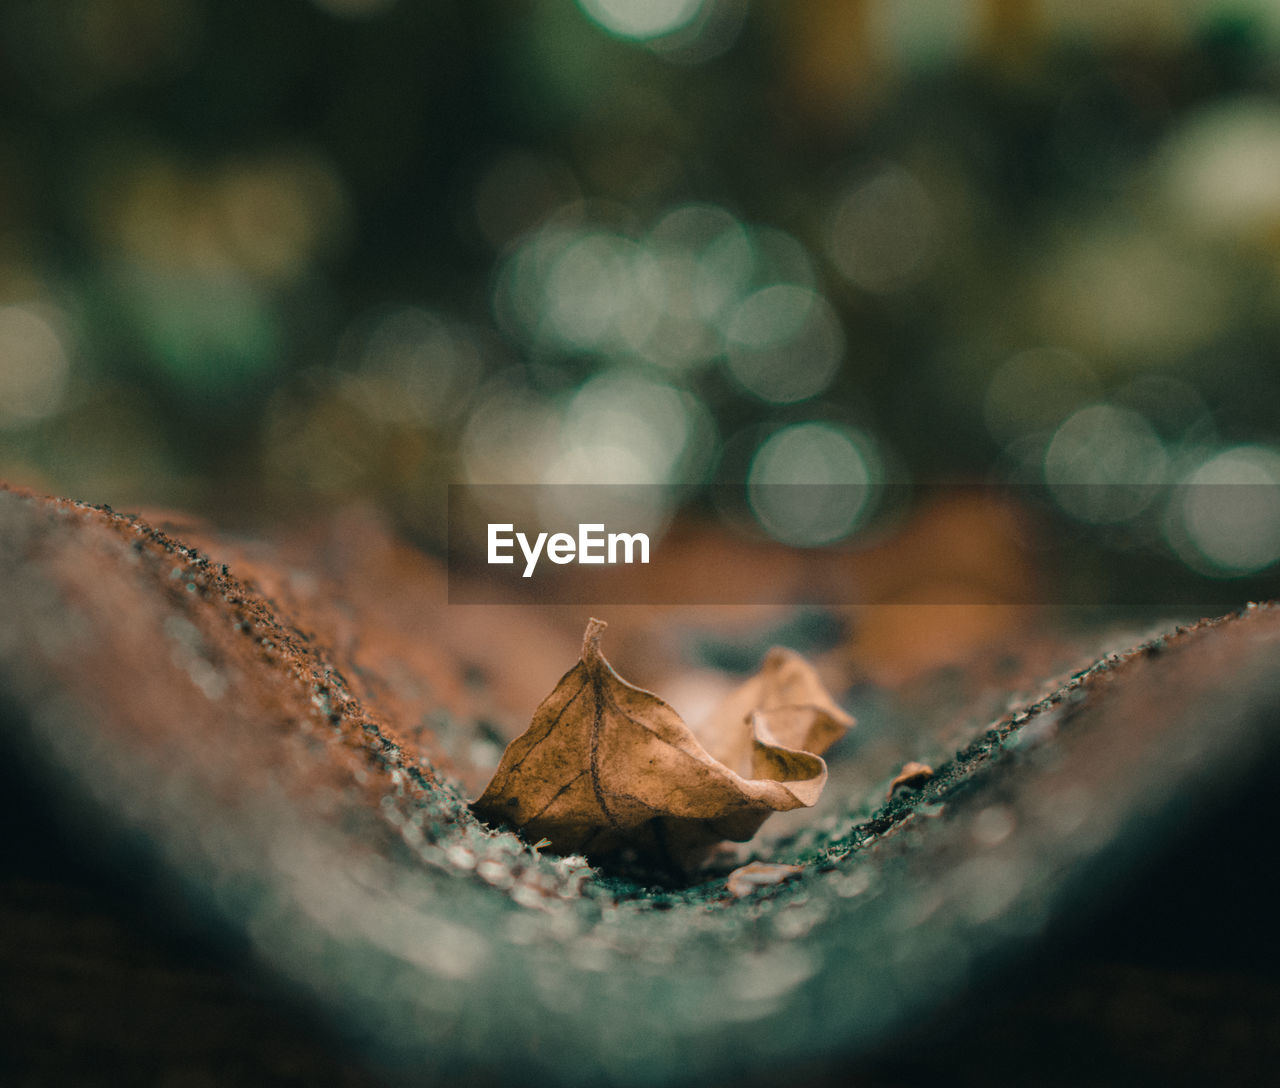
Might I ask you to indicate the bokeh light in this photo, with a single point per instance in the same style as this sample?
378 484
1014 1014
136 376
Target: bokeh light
780 257
1035 389
1154 21
704 257
210 338
1172 405
1226 517
640 20
698 286
711 32
924 33
1220 170
511 434
413 366
271 215
784 344
33 366
1105 464
280 213
589 290
627 427
356 249
882 232
1129 294
810 484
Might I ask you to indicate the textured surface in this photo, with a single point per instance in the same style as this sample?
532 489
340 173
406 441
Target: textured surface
165 704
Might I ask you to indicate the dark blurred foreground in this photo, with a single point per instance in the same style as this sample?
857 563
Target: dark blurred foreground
1176 983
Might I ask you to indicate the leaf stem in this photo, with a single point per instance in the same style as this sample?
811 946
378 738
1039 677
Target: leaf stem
591 639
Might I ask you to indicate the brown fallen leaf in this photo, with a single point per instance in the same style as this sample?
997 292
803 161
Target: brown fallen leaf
799 712
759 874
606 767
912 774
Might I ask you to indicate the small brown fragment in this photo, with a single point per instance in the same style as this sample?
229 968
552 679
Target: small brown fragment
759 874
913 774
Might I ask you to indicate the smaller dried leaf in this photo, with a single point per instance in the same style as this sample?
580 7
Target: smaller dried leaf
607 767
793 703
759 874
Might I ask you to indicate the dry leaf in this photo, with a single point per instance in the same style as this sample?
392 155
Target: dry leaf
606 767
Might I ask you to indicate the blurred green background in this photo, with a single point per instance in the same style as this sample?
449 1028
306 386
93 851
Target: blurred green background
256 258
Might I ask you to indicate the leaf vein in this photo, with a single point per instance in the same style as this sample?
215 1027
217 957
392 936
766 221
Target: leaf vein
549 731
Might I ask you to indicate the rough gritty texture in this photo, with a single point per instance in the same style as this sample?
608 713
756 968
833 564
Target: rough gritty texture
166 704
171 652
